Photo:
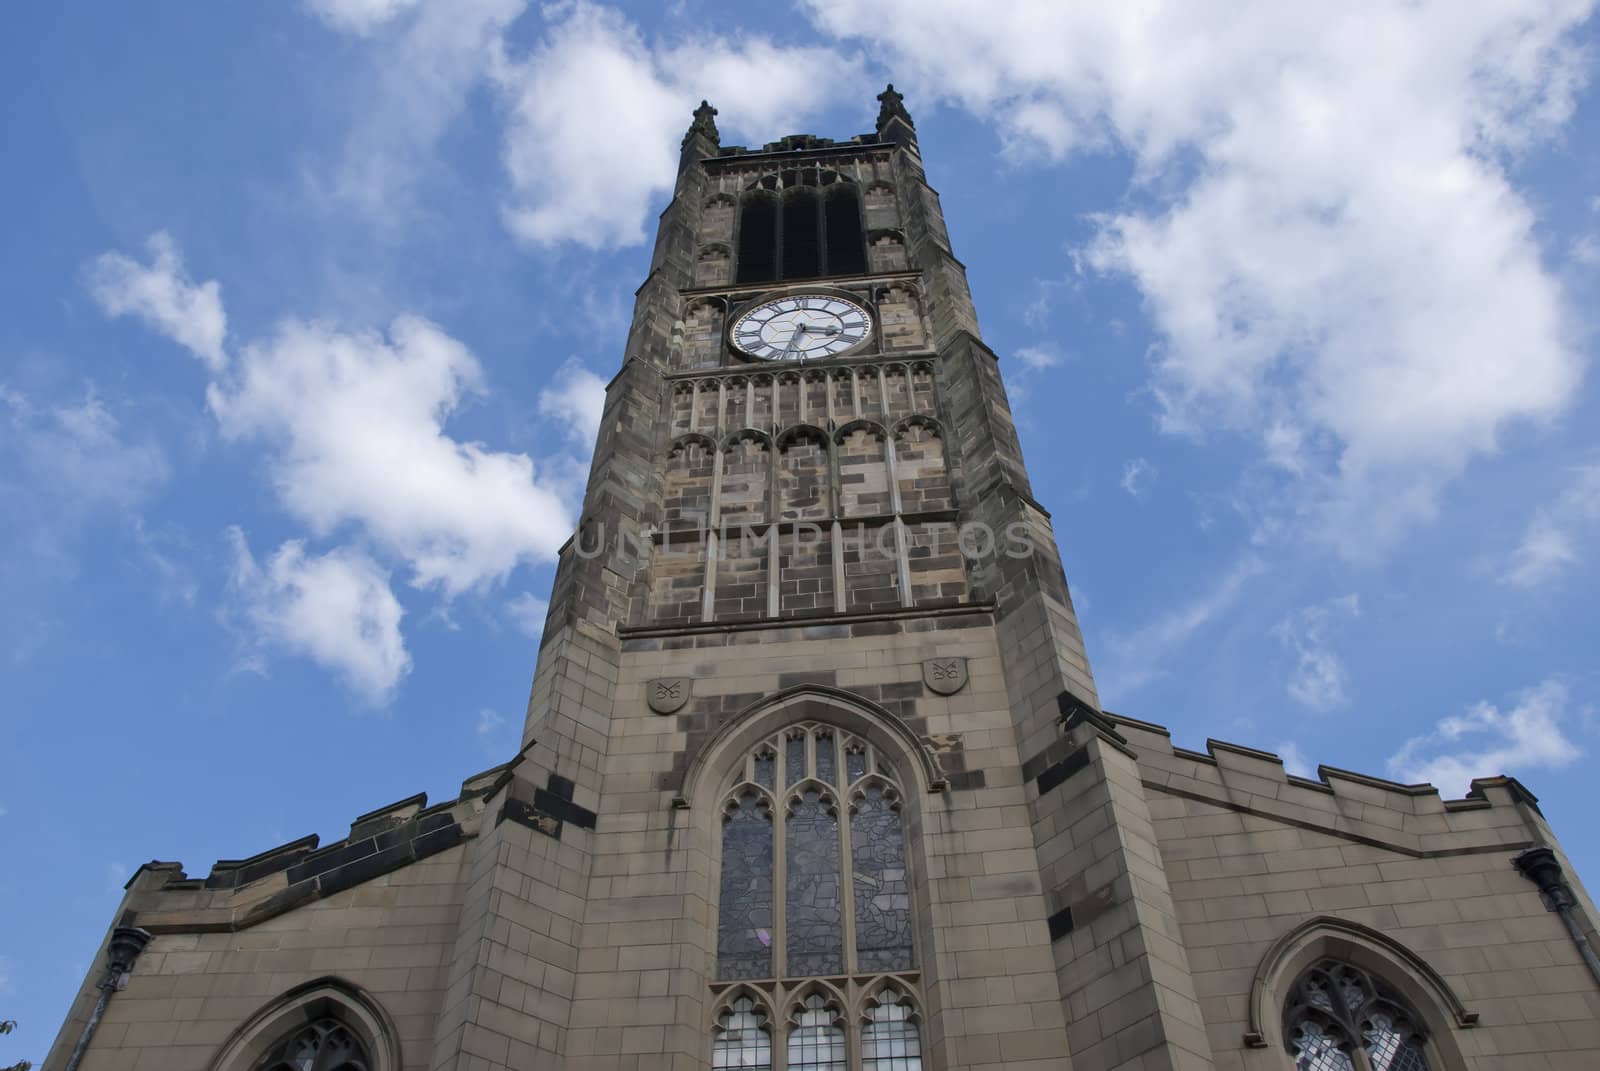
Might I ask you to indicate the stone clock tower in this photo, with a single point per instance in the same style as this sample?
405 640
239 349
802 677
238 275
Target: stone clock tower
814 773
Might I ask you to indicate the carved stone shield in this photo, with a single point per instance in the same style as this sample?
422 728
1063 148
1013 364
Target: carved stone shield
946 676
666 695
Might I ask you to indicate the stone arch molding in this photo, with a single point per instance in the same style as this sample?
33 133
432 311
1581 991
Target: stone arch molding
809 702
1330 937
327 997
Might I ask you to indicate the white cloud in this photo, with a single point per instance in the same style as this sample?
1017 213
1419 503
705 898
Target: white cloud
116 877
355 424
1333 248
1486 741
425 59
528 611
1549 544
358 16
1294 760
1319 679
1138 657
1038 358
575 399
1135 474
594 109
336 609
163 296
75 456
576 179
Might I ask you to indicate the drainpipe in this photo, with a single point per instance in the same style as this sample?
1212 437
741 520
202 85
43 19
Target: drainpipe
126 944
1540 866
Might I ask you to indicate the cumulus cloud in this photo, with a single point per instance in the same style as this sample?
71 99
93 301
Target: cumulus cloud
164 297
336 609
354 427
354 421
1136 658
594 108
1387 320
575 400
574 179
1319 679
1549 545
1487 741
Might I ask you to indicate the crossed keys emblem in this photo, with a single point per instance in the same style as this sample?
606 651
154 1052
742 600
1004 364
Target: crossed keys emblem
666 695
945 676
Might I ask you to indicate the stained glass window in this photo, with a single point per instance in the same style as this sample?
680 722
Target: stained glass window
794 759
824 807
825 759
811 908
741 1041
815 1042
889 1040
855 762
1339 1018
744 923
325 1045
883 897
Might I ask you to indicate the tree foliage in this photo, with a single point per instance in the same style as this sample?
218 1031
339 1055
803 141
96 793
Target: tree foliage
6 1027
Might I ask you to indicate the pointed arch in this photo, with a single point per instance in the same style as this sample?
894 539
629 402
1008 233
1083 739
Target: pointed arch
306 1004
863 424
741 1030
836 706
891 1028
1330 937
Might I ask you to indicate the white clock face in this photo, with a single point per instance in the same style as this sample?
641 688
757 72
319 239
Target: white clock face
801 327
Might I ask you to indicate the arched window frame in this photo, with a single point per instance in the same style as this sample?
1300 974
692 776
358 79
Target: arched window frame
304 1005
815 765
1439 1012
833 198
1347 1010
726 763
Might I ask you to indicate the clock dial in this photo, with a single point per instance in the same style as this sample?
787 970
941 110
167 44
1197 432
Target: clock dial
802 327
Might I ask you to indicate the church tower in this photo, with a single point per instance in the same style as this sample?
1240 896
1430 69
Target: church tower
814 774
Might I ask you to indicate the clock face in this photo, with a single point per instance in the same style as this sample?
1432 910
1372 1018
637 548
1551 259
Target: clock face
801 327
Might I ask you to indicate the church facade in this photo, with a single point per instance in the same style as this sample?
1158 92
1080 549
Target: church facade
814 772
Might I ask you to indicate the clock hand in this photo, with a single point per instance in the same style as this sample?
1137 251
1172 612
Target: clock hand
794 336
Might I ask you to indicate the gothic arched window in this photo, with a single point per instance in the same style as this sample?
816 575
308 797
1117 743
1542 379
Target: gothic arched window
323 1045
1339 1018
807 811
800 225
742 1039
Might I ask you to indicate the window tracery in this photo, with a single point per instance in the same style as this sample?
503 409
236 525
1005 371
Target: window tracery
742 1040
815 904
323 1045
1340 1018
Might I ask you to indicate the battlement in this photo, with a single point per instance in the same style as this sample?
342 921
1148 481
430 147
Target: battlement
239 893
1497 812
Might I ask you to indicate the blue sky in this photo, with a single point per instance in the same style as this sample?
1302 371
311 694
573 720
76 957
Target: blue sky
307 307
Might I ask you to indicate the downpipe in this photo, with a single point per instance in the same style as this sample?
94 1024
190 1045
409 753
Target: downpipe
126 944
1540 866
